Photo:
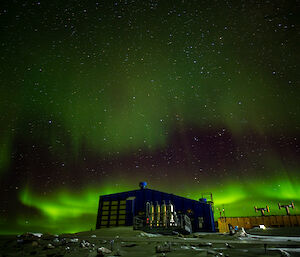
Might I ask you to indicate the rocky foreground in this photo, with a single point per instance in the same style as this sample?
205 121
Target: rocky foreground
123 241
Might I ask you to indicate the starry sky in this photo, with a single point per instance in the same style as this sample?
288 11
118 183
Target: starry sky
190 96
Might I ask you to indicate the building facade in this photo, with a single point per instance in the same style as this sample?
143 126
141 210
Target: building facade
120 209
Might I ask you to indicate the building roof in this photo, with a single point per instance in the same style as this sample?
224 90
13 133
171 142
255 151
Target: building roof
147 190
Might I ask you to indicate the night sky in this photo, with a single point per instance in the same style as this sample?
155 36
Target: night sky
190 96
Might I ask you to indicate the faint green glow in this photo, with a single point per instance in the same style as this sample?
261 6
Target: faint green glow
240 199
5 150
61 204
63 211
281 189
230 194
65 204
143 112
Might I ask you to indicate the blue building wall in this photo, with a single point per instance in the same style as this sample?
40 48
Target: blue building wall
194 209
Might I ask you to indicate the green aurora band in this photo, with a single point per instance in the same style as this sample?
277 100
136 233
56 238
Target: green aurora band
67 211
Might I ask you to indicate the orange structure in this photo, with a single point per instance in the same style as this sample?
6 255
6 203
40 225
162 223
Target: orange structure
250 222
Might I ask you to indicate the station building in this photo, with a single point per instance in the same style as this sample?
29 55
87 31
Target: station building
120 209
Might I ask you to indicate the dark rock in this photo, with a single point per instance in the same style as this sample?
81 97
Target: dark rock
84 244
229 246
28 237
48 236
198 236
103 250
34 243
54 254
50 246
163 248
129 245
56 240
20 241
74 240
212 252
241 233
205 244
63 241
162 255
100 254
117 253
284 253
